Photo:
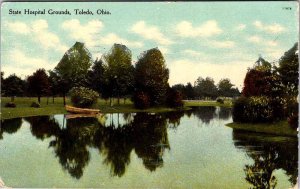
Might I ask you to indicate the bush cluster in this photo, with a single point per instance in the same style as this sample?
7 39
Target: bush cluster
256 109
35 105
10 105
174 98
141 100
83 97
220 100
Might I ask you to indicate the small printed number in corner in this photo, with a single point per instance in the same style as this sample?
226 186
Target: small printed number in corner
287 8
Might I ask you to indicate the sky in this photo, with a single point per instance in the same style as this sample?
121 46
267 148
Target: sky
197 39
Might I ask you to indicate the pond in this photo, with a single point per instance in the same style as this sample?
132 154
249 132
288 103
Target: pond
191 149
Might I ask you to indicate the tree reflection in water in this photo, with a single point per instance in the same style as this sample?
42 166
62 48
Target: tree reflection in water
10 126
205 114
269 154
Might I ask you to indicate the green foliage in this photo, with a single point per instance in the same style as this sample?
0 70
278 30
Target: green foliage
83 97
206 88
151 76
10 105
225 88
257 109
95 77
13 86
38 83
293 120
174 98
289 70
35 105
220 100
141 100
118 71
239 107
75 63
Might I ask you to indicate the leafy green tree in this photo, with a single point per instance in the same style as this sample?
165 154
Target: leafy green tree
189 91
55 87
95 76
13 86
206 87
152 76
289 70
225 88
73 67
38 83
119 71
2 86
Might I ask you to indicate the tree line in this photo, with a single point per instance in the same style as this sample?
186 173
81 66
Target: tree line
114 76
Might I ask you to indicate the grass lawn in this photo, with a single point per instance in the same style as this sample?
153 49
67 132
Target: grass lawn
279 128
23 108
191 103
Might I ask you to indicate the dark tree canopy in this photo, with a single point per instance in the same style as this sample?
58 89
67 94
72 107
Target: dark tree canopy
152 76
75 63
38 84
288 70
95 77
206 87
119 71
225 88
13 86
73 67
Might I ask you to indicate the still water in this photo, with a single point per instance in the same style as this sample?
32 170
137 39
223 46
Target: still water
191 149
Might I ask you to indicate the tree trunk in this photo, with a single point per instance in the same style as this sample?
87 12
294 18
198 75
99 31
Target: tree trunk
64 99
110 101
124 100
118 100
39 99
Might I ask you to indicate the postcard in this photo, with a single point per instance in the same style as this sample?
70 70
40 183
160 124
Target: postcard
149 95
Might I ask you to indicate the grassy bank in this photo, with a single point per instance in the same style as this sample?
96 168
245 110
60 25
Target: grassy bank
279 128
23 108
192 103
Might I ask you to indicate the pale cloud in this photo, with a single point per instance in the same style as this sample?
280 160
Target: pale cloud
85 33
273 54
207 29
18 27
23 65
272 28
47 39
185 70
193 53
164 50
240 27
254 39
112 38
262 41
39 33
150 32
223 44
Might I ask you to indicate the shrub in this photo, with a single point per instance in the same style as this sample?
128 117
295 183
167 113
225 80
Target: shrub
253 110
259 109
141 100
174 98
83 97
10 105
35 105
277 105
293 121
238 110
220 100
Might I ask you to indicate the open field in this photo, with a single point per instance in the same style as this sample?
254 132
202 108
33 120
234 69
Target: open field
278 128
